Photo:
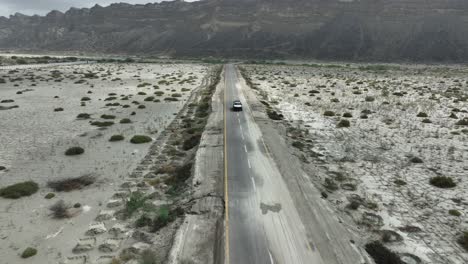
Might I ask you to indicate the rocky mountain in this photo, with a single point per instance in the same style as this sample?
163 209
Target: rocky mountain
381 30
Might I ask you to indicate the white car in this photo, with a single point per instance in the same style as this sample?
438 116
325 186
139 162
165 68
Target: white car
237 105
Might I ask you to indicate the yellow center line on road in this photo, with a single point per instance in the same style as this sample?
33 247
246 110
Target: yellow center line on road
226 197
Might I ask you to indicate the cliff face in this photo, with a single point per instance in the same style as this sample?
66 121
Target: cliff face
386 30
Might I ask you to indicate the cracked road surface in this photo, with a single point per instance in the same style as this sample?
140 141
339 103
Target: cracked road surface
262 223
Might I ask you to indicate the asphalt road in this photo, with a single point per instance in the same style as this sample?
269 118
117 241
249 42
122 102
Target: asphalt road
263 225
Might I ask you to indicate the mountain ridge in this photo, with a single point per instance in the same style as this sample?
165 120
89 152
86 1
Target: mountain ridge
366 30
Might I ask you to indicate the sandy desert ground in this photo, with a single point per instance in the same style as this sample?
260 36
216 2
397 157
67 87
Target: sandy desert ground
39 121
386 144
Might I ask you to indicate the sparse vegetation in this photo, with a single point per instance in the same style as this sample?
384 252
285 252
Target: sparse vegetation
343 123
139 139
381 254
29 252
442 182
70 184
83 116
49 195
19 190
454 212
116 138
102 123
60 210
125 121
73 151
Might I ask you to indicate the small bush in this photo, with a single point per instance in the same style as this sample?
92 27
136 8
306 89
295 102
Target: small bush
298 145
59 109
421 114
116 138
85 99
149 98
141 107
442 182
454 212
354 205
49 195
347 115
102 123
463 122
370 99
19 190
74 151
416 160
139 139
71 184
60 210
463 240
108 116
426 121
191 142
274 115
29 252
329 113
381 254
399 182
144 220
83 116
343 123
125 121
136 201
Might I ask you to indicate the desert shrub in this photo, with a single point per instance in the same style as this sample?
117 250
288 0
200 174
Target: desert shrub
125 121
136 201
139 139
274 115
171 99
330 184
58 109
298 144
60 210
399 182
2 168
176 95
149 98
454 212
85 98
116 138
442 182
421 114
29 252
102 123
463 240
141 107
159 93
143 220
49 195
354 205
70 184
381 254
149 257
463 122
110 98
427 121
329 113
19 190
343 123
77 205
370 99
453 115
83 116
416 160
108 116
74 151
191 142
347 115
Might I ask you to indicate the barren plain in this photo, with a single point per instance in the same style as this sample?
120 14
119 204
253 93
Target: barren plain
83 134
386 144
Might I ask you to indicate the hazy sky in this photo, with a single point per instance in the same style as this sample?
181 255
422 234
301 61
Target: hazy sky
42 7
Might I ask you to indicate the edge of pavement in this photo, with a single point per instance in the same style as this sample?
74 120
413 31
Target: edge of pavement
200 239
326 230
